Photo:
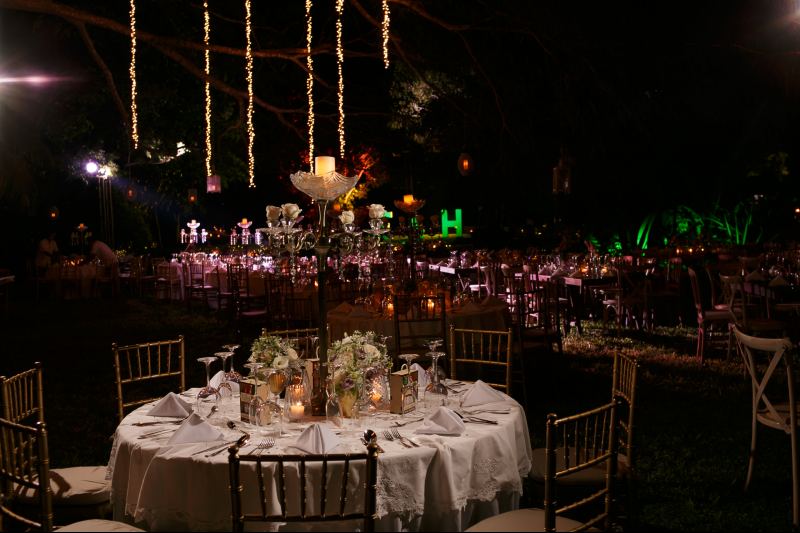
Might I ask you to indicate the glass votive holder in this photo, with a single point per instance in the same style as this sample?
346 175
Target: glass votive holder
295 399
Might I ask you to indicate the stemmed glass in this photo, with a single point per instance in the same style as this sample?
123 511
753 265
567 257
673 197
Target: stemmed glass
276 380
256 403
231 375
208 390
436 389
224 388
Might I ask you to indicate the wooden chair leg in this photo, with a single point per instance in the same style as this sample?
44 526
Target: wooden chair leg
752 459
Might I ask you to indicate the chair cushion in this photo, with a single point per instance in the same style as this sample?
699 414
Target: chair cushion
77 485
523 520
588 477
99 525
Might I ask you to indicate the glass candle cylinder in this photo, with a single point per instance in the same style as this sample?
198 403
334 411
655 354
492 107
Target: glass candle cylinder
295 399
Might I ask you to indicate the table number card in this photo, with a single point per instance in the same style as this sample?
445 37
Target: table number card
402 387
247 388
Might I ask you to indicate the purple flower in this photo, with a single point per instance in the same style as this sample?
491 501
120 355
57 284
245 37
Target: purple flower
348 383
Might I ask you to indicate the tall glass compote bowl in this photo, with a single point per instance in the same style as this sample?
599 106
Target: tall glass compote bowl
257 405
232 374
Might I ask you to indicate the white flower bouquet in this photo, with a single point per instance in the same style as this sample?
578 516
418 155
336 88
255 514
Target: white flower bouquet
274 352
355 357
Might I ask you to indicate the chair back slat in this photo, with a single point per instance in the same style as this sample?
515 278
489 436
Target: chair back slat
23 395
24 461
145 362
302 470
416 319
585 440
482 349
623 387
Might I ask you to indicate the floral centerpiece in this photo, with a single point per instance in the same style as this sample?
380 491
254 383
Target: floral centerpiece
274 352
356 358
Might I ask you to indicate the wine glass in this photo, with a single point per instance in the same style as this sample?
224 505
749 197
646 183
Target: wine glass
435 392
232 374
208 390
225 389
257 405
277 380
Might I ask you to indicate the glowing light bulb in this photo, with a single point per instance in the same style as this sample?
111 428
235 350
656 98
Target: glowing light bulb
251 132
206 41
310 83
339 63
132 74
385 33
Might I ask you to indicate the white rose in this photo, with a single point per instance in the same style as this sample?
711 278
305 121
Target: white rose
273 212
290 211
347 217
371 351
291 353
376 211
280 361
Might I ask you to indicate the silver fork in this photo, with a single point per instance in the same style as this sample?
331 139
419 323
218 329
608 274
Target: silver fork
388 436
265 444
396 434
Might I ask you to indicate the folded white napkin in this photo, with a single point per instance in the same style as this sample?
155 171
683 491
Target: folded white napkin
195 429
217 379
171 405
422 376
754 276
443 421
480 393
317 439
342 309
360 312
778 281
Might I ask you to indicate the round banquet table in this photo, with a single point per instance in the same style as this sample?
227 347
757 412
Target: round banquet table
491 314
446 484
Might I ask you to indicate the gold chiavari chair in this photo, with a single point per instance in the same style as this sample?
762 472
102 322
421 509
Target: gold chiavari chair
304 339
774 403
141 364
481 350
574 444
23 395
25 462
418 319
82 490
284 487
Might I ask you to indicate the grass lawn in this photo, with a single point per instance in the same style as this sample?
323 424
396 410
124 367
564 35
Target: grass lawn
692 423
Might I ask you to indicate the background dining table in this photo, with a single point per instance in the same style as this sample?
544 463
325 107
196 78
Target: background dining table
446 484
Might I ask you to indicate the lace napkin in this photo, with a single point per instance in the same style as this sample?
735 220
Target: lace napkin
754 276
195 429
778 281
422 376
217 379
316 439
443 421
342 309
481 393
171 405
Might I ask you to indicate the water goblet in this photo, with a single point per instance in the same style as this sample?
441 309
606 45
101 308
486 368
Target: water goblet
277 380
208 390
257 405
435 392
225 389
232 374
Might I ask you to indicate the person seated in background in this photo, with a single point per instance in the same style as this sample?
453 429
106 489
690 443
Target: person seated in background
46 253
100 250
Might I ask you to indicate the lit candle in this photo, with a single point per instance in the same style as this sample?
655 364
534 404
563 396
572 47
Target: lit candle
431 305
244 221
323 164
390 308
297 411
376 397
194 221
408 199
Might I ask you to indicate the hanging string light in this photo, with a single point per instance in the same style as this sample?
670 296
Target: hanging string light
206 41
310 86
132 73
385 33
339 62
251 132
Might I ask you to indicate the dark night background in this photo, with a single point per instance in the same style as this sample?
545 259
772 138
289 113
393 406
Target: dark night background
657 105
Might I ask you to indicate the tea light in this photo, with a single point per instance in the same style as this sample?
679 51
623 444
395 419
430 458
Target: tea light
376 397
244 221
296 411
408 199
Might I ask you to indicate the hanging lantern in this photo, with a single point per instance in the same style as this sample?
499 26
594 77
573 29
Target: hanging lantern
213 184
465 164
130 192
192 196
53 213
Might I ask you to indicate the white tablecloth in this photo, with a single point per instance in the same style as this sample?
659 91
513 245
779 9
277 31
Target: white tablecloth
447 484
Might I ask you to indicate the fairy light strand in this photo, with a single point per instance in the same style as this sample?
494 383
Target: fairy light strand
132 74
251 132
339 62
310 85
385 33
206 41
